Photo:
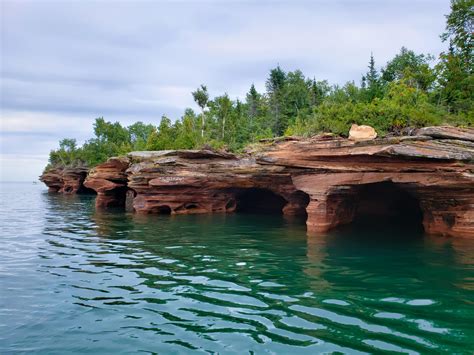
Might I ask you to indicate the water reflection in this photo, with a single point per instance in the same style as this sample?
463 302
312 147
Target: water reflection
112 282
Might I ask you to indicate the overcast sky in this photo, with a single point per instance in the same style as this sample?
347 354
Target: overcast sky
64 63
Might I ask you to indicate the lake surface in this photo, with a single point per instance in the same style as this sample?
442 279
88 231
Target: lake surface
73 281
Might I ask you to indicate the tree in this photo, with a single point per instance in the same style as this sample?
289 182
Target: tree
371 81
411 67
297 99
201 97
456 67
318 91
275 88
67 154
186 135
242 126
111 132
460 31
253 100
111 139
68 145
163 137
139 133
223 106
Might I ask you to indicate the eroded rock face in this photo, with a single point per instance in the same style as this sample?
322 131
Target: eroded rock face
109 180
192 182
53 179
332 180
438 172
67 181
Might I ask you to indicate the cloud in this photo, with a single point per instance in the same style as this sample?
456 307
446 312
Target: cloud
65 63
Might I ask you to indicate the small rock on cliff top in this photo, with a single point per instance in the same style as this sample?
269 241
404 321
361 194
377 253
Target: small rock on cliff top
362 133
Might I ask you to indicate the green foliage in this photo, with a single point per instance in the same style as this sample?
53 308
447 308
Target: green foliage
318 91
163 137
406 92
67 154
456 67
276 98
187 136
201 97
460 31
402 106
413 68
139 134
371 83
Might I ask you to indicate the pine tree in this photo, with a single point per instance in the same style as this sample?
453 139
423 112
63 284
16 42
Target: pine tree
372 81
253 98
372 75
318 91
275 88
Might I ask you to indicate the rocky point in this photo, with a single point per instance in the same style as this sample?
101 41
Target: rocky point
329 180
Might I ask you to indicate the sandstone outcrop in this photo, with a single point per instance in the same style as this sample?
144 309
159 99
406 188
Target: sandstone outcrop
438 173
109 180
67 181
193 181
53 179
330 180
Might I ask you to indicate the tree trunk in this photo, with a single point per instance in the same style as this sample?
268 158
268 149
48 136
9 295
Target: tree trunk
223 127
202 124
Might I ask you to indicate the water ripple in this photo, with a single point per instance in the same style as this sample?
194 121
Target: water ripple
74 280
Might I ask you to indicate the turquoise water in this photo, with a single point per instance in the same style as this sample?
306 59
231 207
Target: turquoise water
75 281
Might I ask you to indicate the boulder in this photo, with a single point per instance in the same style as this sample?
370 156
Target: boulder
362 133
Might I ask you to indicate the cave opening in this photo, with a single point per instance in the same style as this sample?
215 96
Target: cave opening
258 200
163 209
86 191
386 205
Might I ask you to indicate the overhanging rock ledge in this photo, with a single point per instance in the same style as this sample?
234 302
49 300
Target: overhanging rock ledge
324 178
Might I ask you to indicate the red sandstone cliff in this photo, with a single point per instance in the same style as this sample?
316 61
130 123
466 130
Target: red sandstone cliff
330 179
65 180
436 167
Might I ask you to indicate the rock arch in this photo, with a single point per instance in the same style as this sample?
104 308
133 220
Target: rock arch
323 177
443 204
386 203
259 200
368 204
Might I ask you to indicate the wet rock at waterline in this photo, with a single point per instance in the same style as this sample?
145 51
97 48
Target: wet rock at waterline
66 180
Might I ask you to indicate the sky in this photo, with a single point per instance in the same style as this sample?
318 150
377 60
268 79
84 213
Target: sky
65 63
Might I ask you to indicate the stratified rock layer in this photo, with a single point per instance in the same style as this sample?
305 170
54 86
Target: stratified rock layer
331 180
438 172
109 180
189 182
67 181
